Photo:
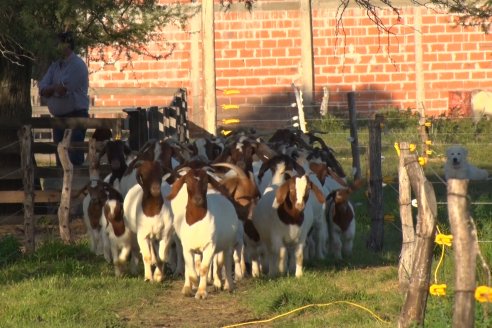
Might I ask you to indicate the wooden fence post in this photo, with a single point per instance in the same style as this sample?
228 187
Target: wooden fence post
465 254
300 108
64 209
208 67
375 240
413 310
406 217
323 108
354 144
93 159
25 139
153 118
424 136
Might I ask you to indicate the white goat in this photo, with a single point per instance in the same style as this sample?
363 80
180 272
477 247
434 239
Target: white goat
150 218
283 220
210 227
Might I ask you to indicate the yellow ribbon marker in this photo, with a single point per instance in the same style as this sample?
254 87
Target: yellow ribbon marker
413 147
231 92
438 290
429 152
227 107
389 218
388 179
230 121
442 239
428 124
226 132
483 294
397 148
428 142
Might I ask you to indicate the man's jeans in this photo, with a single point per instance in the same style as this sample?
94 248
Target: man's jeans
78 135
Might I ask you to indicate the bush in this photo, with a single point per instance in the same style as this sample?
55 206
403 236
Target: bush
10 250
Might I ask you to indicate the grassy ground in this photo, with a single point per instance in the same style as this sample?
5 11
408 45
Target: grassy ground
67 286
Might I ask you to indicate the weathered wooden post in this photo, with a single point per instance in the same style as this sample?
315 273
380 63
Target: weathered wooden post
375 240
208 67
354 139
153 118
413 310
465 254
300 108
323 108
424 136
307 58
93 159
25 139
64 209
406 217
143 130
133 126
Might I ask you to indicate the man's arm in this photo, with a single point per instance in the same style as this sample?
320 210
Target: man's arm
46 87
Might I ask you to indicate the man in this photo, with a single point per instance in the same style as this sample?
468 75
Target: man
65 87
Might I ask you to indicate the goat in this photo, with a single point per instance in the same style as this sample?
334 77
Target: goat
211 226
92 207
118 240
150 218
166 152
272 172
340 215
116 152
244 195
283 220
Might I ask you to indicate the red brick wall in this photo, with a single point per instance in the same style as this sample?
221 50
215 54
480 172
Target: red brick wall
259 53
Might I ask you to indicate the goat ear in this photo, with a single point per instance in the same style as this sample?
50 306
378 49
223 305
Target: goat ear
282 192
176 187
317 192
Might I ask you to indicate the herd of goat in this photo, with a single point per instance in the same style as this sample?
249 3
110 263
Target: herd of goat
219 208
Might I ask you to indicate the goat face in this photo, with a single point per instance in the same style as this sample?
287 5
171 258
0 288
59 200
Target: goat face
116 151
294 193
149 177
196 184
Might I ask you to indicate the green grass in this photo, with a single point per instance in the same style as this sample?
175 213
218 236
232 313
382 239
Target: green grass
67 286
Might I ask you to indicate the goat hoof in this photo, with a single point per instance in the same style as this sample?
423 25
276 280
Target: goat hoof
186 291
201 294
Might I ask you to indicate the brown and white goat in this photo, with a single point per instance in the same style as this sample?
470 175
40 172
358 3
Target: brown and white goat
340 215
116 152
210 227
92 207
244 195
119 241
150 217
167 152
283 221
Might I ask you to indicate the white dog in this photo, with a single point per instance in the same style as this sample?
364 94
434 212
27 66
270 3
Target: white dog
457 166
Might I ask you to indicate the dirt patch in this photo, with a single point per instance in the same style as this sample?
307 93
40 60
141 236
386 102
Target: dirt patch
173 310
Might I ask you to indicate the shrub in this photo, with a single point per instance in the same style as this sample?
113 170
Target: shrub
10 250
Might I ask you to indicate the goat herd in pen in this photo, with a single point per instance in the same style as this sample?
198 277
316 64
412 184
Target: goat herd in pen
214 208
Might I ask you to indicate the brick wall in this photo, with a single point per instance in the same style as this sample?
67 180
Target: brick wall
420 63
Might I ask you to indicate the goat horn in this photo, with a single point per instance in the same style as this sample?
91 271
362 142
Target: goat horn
235 168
